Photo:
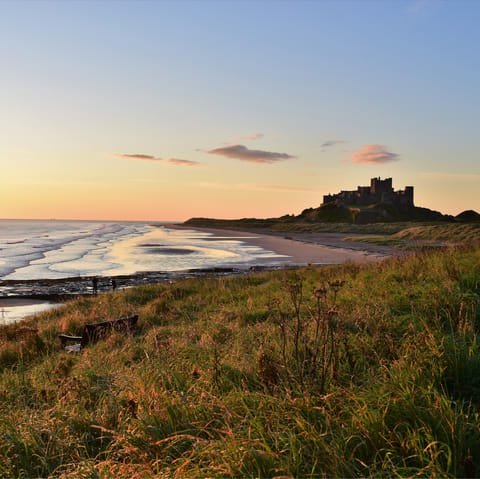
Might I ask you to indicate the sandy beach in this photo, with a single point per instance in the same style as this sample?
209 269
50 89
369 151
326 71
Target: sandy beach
303 248
21 298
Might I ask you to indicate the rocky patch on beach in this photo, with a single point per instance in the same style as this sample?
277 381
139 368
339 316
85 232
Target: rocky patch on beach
69 288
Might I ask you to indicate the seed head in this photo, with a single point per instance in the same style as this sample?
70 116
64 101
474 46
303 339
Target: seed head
320 293
336 285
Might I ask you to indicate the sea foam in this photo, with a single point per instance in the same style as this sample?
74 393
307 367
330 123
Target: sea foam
62 249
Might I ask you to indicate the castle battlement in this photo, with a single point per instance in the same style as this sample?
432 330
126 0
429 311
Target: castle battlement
379 191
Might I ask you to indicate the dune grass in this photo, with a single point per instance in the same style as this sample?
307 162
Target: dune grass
297 226
346 371
426 236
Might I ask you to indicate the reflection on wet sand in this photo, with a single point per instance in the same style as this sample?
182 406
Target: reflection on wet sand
13 309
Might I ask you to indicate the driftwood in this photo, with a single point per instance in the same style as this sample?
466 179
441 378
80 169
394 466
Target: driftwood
95 331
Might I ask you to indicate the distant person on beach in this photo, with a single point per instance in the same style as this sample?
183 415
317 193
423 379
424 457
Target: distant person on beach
95 285
114 284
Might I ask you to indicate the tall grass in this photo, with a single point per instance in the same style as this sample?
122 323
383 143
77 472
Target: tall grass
426 236
355 370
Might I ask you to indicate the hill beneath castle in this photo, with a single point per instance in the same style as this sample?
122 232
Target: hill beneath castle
332 214
376 203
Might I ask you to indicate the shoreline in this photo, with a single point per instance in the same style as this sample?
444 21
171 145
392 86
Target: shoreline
17 309
296 250
302 248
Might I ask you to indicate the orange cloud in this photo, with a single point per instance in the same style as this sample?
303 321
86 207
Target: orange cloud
241 152
175 161
374 154
171 161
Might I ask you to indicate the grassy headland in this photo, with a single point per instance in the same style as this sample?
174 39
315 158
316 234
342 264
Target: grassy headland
407 235
414 237
380 219
286 225
352 370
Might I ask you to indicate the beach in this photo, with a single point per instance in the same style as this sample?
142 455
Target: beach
15 309
21 298
300 248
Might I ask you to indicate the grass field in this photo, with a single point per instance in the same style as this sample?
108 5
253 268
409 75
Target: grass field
346 371
299 226
426 236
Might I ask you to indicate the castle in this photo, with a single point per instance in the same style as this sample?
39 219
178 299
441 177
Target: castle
379 191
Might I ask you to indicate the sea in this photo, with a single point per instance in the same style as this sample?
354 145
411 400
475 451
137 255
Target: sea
35 249
41 249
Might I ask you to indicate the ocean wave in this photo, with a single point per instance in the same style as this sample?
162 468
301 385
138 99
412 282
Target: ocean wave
75 249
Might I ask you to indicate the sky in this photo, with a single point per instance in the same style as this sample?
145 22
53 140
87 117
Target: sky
166 110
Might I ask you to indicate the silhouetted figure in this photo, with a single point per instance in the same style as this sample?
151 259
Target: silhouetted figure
95 285
114 284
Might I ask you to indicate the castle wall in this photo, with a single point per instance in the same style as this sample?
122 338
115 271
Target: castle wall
379 191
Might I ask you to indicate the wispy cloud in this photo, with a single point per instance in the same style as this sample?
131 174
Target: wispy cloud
465 177
259 187
253 137
286 188
330 143
171 161
241 152
374 154
178 162
137 156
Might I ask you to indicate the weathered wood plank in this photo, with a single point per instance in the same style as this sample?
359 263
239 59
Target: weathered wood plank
93 332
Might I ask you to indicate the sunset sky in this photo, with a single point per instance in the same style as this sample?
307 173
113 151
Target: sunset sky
164 110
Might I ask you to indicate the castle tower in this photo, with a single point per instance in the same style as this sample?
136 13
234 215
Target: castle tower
409 194
379 186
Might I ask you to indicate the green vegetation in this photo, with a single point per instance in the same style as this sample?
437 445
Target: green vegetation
330 216
407 235
374 228
354 370
285 225
427 236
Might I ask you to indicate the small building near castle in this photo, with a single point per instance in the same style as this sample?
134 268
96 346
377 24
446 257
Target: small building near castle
379 192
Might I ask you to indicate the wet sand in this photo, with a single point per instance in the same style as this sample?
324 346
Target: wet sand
303 248
19 299
14 309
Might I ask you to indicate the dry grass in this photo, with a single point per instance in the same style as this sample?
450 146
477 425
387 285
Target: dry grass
355 370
